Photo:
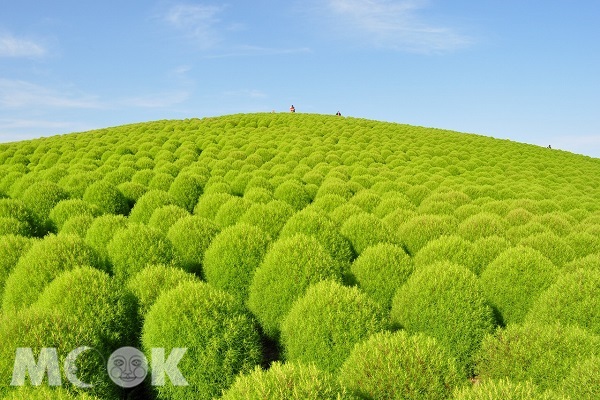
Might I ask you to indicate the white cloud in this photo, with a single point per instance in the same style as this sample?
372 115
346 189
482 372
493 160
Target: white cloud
22 94
196 21
398 25
11 46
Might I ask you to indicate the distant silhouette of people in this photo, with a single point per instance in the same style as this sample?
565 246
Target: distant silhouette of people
549 146
339 114
292 109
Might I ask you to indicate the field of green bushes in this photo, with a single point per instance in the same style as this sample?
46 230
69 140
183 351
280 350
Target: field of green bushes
302 256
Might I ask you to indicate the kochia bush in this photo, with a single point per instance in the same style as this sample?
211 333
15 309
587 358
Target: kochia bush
288 268
446 302
186 189
66 209
364 230
289 381
107 198
40 198
148 203
191 236
11 249
582 382
270 217
43 262
503 389
325 323
418 231
400 366
221 339
232 257
164 217
101 232
292 193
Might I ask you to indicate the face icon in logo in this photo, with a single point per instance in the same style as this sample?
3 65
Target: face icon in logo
127 367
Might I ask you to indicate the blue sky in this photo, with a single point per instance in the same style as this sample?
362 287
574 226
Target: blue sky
527 71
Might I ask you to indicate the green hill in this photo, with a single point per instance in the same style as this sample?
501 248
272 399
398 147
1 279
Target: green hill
483 253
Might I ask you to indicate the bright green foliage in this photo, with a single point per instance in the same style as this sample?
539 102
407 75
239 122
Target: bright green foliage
107 198
101 232
482 225
67 209
418 231
164 217
270 217
148 284
551 246
40 198
518 216
328 202
380 270
289 267
574 299
445 301
520 232
191 236
221 339
208 205
132 192
504 389
589 262
515 279
12 226
342 213
186 189
543 354
325 323
43 392
289 381
77 225
11 249
447 248
232 257
258 195
389 204
364 230
583 243
148 203
583 381
400 366
366 199
161 181
16 209
485 250
44 261
230 212
292 193
319 226
136 246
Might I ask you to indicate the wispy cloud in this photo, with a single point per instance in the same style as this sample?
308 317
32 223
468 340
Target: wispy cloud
246 93
196 21
11 46
249 51
399 25
21 94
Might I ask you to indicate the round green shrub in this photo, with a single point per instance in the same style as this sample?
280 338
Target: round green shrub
12 226
380 270
66 209
390 204
107 198
289 267
232 257
485 250
482 225
400 366
515 279
40 198
16 209
366 199
270 217
136 246
583 243
161 181
231 211
542 354
77 225
292 193
583 381
319 226
335 186
132 192
258 195
503 389
591 261
191 236
43 262
551 246
328 202
365 230
153 280
221 339
446 248
520 232
342 213
574 299
148 203
101 232
164 217
209 204
324 325
418 231
519 216
446 302
289 381
11 249
186 189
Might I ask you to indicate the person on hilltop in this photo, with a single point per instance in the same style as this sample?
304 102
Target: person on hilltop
292 109
339 114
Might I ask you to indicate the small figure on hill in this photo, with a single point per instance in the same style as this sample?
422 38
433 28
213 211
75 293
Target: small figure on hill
339 114
549 146
292 109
